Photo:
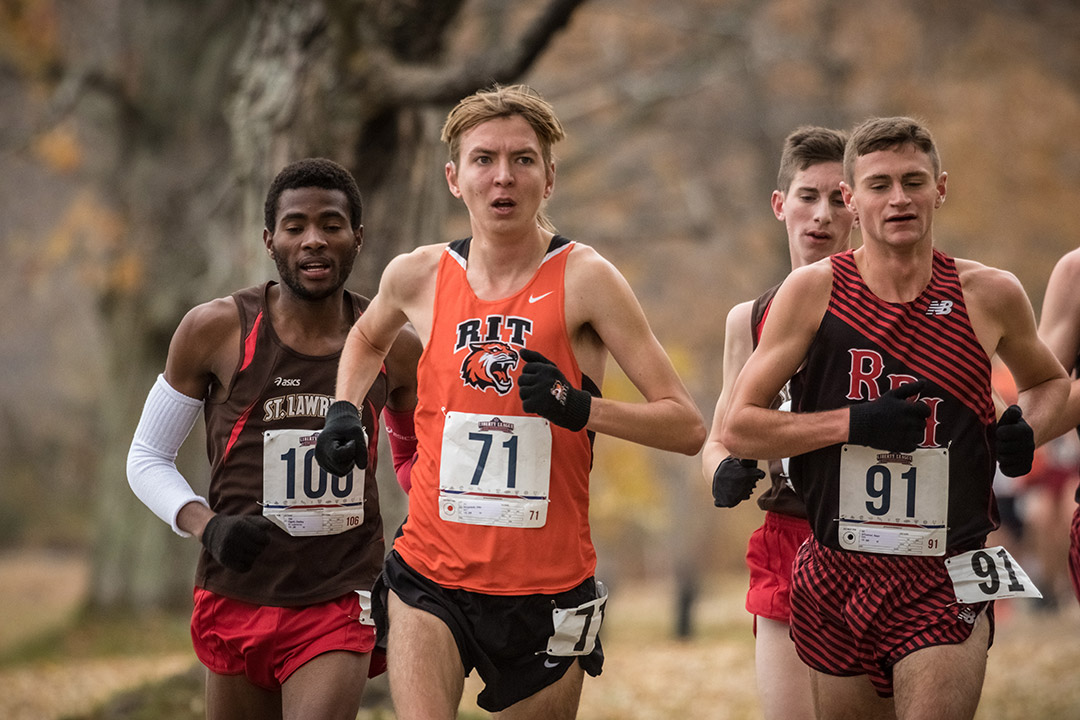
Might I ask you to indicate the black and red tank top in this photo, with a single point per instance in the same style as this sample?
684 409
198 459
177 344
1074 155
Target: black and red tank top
864 346
276 388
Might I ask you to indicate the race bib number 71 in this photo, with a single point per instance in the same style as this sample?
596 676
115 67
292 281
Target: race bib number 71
495 470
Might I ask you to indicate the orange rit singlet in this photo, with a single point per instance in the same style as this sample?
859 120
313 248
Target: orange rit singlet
500 497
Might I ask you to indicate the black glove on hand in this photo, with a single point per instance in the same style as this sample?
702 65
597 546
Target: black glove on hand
342 442
1015 442
891 422
236 540
734 481
545 391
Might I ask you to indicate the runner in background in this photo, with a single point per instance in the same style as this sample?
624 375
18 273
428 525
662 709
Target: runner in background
808 201
1060 328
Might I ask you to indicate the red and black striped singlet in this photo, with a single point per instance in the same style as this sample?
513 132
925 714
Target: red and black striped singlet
864 347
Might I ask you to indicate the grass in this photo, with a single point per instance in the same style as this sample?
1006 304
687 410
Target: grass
86 636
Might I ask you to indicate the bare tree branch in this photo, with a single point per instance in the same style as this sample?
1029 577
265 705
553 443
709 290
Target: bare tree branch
410 84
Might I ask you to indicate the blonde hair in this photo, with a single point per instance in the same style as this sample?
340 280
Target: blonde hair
501 101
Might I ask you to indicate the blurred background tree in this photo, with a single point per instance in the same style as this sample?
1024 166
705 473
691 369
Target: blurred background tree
170 121
138 139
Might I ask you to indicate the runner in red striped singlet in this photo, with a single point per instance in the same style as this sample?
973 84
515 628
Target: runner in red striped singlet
1059 326
893 440
809 203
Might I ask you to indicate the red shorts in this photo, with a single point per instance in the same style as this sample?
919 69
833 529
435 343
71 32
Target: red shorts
860 613
267 644
1074 552
769 556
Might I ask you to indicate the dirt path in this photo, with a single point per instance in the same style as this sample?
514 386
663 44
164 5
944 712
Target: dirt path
647 674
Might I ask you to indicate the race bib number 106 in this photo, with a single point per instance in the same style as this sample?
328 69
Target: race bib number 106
299 496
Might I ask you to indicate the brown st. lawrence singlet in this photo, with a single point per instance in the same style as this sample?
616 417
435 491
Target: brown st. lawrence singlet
277 393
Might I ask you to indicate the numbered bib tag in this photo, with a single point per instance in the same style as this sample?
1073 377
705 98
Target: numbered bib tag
989 574
894 503
576 628
495 471
299 496
365 607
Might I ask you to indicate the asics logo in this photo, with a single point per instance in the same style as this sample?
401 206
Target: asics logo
538 298
940 307
287 382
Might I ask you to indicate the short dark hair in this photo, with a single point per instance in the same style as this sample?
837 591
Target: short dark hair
806 146
889 133
314 172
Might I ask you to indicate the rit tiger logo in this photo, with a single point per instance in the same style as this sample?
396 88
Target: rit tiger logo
488 365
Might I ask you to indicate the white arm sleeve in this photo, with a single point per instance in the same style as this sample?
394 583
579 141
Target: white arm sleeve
167 418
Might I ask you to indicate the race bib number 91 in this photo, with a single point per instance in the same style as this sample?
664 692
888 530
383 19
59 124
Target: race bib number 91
894 503
989 574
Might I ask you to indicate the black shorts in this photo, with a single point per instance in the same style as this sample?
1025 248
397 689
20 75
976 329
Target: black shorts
504 637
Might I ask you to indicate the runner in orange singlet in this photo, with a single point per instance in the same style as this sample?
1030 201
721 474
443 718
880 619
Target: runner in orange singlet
493 568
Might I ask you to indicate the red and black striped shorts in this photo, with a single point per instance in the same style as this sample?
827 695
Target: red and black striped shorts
1074 552
860 613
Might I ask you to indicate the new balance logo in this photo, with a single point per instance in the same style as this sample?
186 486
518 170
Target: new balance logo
939 307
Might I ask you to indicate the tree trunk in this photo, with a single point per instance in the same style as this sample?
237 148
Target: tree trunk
210 102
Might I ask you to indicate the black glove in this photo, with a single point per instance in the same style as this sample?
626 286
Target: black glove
1015 442
236 540
342 442
545 391
891 422
734 481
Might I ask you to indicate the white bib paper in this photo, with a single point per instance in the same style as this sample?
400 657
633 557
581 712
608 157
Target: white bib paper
302 498
894 503
576 628
989 574
495 470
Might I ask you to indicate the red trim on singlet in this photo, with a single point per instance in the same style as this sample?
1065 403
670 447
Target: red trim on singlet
249 355
761 323
249 342
236 430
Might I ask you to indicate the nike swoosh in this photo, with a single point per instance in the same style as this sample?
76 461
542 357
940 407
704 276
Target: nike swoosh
537 298
549 664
